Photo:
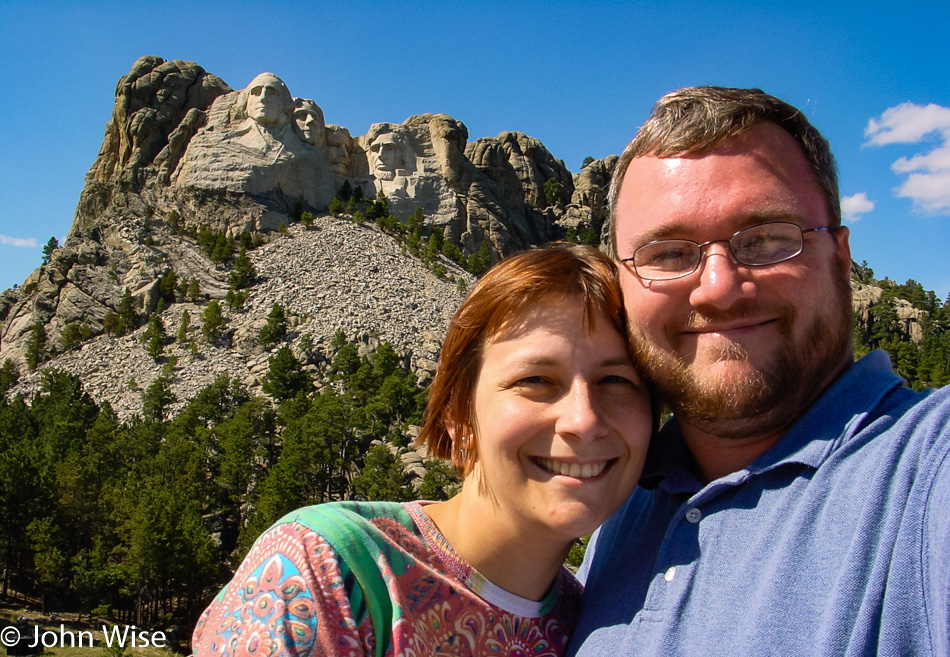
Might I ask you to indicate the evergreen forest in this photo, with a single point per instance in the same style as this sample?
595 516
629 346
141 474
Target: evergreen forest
141 522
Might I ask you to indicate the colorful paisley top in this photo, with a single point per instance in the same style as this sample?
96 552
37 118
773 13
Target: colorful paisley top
295 595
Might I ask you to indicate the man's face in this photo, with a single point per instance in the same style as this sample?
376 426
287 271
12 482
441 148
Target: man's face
265 103
386 154
308 123
738 351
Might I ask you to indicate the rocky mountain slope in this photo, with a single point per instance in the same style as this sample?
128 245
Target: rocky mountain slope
184 151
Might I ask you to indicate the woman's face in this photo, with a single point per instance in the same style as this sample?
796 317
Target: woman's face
563 420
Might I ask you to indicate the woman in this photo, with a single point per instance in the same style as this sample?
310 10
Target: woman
538 405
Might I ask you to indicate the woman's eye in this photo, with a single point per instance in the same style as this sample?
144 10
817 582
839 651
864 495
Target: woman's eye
531 381
616 379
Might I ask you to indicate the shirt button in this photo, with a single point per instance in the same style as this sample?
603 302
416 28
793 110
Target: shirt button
694 515
670 574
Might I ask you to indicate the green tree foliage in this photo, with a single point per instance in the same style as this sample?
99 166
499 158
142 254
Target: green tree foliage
9 375
924 362
440 481
74 334
48 249
336 207
236 300
139 520
276 326
36 346
219 247
587 161
156 399
480 261
174 221
127 319
154 337
552 191
383 477
182 336
285 376
194 290
212 322
243 274
168 286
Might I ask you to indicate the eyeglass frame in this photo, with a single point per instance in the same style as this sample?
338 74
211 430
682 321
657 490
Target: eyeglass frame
729 249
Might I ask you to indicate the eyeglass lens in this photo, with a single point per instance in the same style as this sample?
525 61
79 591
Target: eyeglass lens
764 244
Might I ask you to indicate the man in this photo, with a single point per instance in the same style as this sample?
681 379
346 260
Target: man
798 503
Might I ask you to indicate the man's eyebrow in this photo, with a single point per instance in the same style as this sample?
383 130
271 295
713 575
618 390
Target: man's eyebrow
664 231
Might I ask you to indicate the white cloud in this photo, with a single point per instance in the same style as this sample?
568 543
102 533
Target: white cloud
928 182
908 124
29 242
852 207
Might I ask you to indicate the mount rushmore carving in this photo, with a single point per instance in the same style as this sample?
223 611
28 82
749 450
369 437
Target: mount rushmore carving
182 143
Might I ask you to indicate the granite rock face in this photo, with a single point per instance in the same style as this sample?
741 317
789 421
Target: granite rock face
156 104
252 145
337 275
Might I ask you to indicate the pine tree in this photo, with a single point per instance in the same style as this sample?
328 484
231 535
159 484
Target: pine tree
156 399
9 375
182 336
194 290
552 191
243 273
36 346
213 322
51 246
154 337
480 261
276 326
126 312
285 376
383 477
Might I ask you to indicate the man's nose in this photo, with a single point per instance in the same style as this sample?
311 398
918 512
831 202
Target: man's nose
722 281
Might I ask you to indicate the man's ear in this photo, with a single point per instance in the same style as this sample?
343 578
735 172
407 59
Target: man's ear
844 250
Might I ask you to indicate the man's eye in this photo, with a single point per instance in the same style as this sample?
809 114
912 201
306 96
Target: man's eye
665 257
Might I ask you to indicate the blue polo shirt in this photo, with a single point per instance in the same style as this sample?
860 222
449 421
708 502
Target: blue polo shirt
834 542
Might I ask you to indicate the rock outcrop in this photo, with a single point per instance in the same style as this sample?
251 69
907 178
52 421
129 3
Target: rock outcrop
337 275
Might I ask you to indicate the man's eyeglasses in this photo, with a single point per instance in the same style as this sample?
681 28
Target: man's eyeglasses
765 244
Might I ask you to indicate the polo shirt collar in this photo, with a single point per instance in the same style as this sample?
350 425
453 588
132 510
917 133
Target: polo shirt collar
834 417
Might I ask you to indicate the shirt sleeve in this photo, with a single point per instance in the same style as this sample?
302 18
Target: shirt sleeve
287 598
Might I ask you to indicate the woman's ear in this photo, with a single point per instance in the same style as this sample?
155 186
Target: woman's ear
450 428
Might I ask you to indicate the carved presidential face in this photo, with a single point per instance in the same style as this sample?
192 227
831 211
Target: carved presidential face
385 156
336 151
268 100
308 118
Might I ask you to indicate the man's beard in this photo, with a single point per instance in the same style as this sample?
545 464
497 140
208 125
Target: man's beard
756 402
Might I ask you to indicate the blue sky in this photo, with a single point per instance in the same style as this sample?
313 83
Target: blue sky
873 76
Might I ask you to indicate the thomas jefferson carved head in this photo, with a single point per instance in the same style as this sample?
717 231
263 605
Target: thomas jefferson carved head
308 118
